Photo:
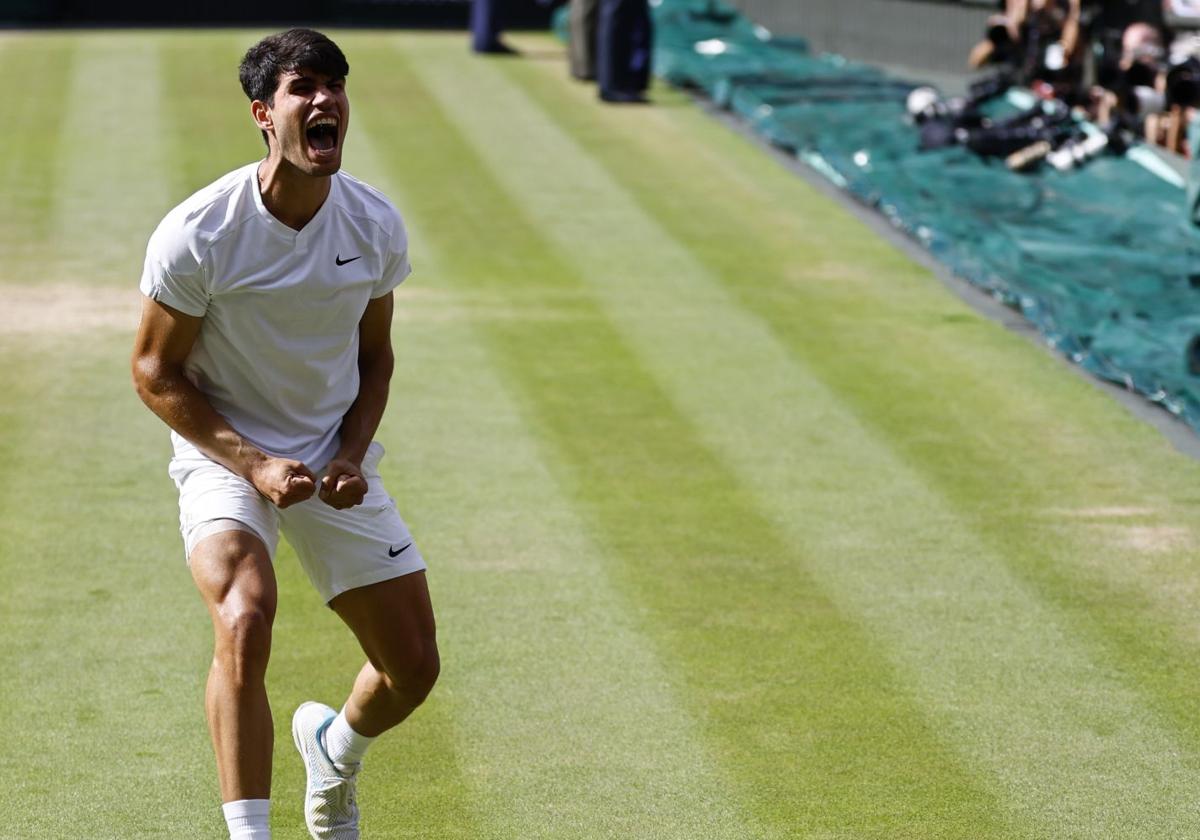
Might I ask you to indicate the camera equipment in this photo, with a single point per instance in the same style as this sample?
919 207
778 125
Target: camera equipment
1028 157
989 87
1054 58
1076 151
1045 121
1115 138
945 122
925 103
1077 145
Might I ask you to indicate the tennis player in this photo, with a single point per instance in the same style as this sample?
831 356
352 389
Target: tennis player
265 345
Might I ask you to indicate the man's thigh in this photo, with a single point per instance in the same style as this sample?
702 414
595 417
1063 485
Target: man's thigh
233 572
393 621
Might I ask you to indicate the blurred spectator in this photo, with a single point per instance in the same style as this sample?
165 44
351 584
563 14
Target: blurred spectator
1153 89
1145 82
1041 41
1050 58
1141 47
1137 85
999 41
1181 95
1181 14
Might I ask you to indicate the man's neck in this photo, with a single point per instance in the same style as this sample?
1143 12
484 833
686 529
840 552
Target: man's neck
289 195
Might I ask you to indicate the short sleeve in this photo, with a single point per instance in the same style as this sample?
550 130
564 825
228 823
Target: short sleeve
172 275
396 266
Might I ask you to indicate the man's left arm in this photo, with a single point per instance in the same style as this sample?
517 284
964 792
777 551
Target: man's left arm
344 484
1070 31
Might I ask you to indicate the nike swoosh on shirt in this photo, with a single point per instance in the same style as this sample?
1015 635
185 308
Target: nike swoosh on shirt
399 551
338 259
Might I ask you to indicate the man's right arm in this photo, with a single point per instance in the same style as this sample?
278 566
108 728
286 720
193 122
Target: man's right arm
164 340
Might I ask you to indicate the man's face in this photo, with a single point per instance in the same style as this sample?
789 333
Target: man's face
309 117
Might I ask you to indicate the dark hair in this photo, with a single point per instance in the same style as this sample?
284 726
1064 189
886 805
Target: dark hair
283 52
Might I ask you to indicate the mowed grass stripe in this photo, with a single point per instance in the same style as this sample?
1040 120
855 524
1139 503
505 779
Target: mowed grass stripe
82 556
101 663
208 128
1113 551
567 723
948 611
790 695
43 65
110 177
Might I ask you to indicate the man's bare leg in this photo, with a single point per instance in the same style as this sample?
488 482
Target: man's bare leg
393 621
233 572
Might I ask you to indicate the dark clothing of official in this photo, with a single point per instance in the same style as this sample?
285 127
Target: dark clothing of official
623 42
486 25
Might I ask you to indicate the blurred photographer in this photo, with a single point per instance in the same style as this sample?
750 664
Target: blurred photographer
1181 97
1001 38
1040 40
1133 85
1152 89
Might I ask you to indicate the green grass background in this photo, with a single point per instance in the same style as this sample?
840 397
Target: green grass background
739 524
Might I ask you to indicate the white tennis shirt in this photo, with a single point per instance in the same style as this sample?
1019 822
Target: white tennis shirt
277 353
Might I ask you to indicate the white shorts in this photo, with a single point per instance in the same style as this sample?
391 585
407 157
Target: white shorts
339 549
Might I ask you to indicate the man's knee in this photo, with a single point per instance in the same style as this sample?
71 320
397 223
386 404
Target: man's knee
411 675
243 643
232 570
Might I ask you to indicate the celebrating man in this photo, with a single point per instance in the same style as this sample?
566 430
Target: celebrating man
265 344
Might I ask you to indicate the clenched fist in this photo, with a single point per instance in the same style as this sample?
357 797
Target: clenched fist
344 485
284 482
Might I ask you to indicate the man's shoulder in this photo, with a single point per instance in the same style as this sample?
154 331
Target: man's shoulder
365 203
192 226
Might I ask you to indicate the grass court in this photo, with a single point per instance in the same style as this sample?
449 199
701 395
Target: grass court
739 524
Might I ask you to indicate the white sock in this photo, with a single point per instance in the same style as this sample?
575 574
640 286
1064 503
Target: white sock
345 746
247 819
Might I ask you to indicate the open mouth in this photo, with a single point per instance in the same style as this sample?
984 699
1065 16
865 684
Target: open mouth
322 134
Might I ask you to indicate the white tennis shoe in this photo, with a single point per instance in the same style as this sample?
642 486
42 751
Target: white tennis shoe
330 810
